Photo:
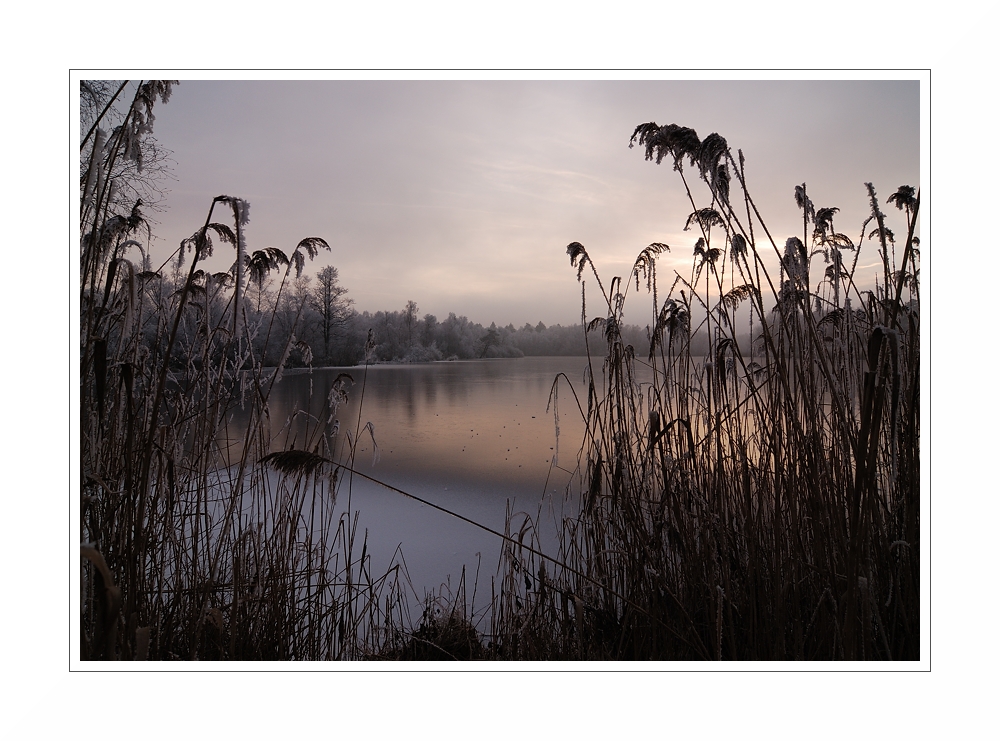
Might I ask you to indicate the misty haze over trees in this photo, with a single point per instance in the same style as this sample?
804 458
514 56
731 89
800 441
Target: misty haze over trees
316 313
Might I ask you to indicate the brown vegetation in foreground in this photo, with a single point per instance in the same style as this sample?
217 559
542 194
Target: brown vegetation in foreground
748 506
192 551
760 504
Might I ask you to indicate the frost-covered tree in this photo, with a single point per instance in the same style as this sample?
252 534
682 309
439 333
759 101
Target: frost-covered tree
330 301
410 319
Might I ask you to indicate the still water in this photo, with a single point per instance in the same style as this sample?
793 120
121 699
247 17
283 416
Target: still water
471 436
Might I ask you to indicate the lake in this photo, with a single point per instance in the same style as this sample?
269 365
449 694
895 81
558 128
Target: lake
471 436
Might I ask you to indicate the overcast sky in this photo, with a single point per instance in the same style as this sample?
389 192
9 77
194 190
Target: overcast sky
462 196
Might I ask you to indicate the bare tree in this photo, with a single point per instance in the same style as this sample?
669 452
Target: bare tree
330 301
410 317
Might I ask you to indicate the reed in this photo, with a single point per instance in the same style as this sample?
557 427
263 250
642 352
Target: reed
759 502
200 540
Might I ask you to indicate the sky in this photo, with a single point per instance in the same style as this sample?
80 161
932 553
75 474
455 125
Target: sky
462 195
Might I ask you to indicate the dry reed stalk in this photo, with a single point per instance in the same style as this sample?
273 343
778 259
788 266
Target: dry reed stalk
750 533
200 545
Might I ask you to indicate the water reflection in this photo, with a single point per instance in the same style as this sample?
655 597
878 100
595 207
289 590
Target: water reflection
472 423
470 436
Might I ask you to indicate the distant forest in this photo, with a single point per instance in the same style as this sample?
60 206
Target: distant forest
336 333
317 314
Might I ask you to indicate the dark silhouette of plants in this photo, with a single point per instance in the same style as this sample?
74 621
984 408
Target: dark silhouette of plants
761 507
191 545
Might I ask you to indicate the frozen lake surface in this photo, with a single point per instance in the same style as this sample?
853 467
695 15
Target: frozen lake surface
473 437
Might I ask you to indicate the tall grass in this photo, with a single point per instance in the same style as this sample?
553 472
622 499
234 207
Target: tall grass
757 502
760 502
199 541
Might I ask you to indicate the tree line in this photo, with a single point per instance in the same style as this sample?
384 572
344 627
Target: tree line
321 315
299 320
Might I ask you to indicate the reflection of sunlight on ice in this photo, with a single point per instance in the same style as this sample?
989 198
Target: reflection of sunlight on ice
471 437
